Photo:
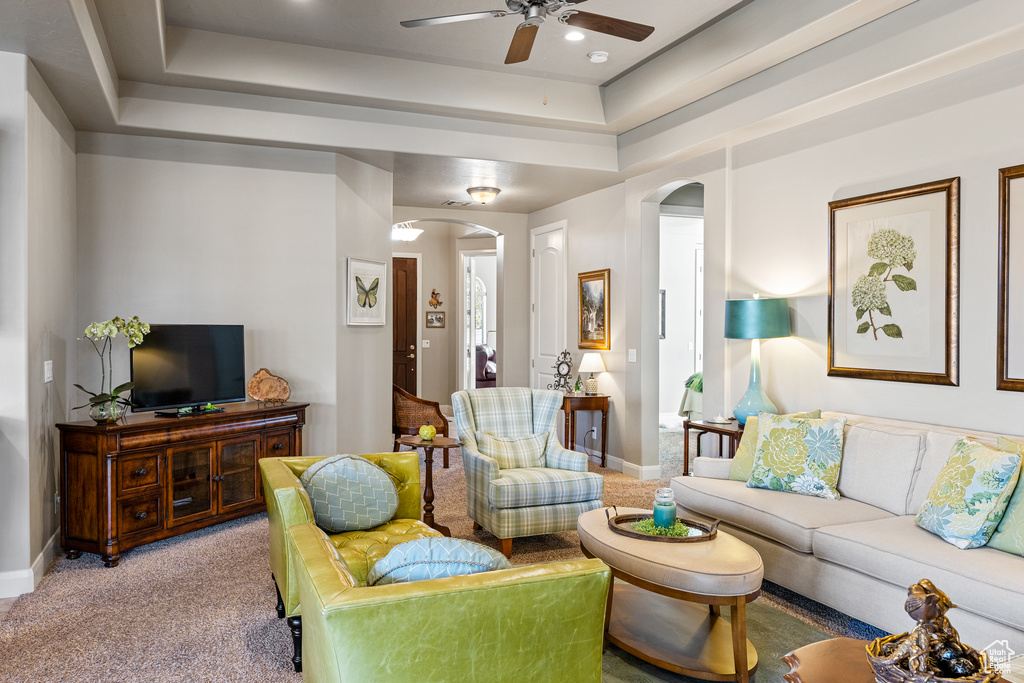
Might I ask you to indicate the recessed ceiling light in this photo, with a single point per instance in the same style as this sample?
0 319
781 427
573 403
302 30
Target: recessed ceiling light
598 56
574 35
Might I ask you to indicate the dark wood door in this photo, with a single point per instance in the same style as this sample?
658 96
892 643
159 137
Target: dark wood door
405 295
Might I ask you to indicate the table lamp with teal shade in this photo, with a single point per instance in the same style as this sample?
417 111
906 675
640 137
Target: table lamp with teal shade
755 319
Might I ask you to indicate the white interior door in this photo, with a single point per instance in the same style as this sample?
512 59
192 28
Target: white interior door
698 300
547 301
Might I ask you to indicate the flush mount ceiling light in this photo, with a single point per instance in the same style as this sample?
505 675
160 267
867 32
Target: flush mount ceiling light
574 35
404 232
598 56
483 195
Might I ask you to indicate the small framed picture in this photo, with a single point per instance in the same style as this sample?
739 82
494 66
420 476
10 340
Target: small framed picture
367 295
435 318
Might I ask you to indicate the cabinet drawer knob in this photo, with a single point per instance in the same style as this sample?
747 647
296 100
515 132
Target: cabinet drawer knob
141 514
141 472
278 446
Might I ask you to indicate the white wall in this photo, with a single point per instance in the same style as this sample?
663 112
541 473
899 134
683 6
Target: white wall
15 559
51 306
680 237
782 187
192 232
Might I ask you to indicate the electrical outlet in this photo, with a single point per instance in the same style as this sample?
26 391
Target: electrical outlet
593 432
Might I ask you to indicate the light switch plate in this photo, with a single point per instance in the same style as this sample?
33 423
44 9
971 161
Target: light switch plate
47 371
632 355
426 343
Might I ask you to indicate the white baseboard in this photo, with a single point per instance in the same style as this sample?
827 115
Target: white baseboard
636 471
20 581
42 562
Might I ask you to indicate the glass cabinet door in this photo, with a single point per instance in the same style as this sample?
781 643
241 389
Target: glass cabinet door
191 477
237 475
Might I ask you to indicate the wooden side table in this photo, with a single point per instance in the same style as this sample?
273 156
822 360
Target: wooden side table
573 403
839 660
731 429
444 443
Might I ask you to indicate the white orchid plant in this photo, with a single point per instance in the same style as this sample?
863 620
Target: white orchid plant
101 336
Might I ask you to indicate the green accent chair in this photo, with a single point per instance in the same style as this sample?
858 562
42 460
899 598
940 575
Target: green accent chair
288 505
524 501
542 622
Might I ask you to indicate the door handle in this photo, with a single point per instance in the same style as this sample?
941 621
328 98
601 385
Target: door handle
411 355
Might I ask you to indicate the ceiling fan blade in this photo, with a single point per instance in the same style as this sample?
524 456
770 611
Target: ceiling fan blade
620 28
522 44
451 19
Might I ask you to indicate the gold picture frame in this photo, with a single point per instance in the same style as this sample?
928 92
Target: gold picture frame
435 319
894 285
1010 322
595 309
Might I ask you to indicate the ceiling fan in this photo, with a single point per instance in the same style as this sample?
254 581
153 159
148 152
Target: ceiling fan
535 12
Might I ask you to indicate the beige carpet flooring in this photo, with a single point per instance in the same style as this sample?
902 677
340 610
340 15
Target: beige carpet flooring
200 607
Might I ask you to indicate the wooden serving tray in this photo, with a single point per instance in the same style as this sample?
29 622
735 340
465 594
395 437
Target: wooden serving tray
622 524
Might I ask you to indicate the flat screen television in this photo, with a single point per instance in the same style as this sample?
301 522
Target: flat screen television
181 366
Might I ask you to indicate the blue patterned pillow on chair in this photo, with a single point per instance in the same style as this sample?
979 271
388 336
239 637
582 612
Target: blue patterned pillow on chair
349 493
432 558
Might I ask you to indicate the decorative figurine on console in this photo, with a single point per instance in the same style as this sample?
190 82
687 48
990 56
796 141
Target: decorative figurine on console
932 652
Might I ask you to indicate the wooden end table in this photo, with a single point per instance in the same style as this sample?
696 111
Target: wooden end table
732 429
573 403
444 443
839 660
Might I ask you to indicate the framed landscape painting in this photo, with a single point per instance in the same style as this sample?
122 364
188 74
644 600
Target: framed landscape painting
1010 326
893 296
367 292
594 310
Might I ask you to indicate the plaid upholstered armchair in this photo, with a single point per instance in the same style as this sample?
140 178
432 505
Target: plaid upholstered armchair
519 479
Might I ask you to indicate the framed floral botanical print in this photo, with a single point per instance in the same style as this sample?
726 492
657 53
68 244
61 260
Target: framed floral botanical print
893 298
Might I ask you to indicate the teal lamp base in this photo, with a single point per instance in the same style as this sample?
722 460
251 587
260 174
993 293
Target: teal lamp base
755 400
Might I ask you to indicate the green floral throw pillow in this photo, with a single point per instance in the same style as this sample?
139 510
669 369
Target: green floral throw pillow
969 496
798 455
743 460
1009 536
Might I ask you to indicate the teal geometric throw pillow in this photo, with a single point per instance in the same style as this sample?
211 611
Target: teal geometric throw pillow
798 455
970 495
349 493
433 558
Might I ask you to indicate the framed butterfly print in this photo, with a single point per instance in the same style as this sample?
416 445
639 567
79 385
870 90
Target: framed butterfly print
367 292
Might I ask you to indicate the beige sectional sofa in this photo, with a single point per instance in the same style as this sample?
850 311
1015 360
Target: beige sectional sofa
860 553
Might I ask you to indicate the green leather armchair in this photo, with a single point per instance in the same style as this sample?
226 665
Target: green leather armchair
543 622
288 504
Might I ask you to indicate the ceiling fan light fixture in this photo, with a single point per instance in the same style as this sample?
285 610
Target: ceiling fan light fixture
483 195
598 56
574 36
404 232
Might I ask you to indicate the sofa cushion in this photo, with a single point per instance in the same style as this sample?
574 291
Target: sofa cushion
514 451
743 460
1009 537
798 455
434 558
970 495
359 550
879 464
937 446
788 519
985 581
349 493
530 486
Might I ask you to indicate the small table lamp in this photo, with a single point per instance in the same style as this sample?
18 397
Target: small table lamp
591 363
755 319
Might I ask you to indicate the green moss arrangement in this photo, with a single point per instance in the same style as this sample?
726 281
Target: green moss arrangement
647 526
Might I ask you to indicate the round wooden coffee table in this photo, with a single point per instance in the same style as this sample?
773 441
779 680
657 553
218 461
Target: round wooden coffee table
674 633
